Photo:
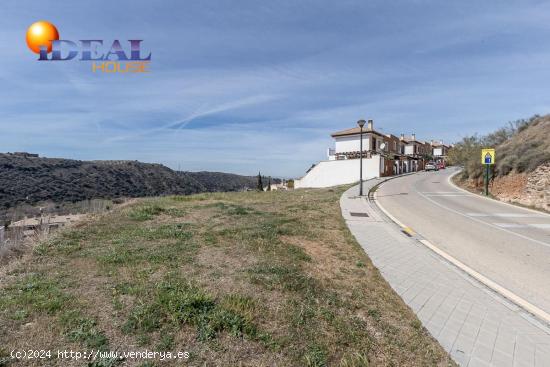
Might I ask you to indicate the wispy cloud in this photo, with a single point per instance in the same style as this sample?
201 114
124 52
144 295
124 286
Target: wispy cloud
262 85
203 111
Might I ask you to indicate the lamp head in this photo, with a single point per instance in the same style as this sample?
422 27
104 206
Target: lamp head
361 123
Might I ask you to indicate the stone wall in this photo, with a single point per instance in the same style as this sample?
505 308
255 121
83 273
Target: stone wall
532 189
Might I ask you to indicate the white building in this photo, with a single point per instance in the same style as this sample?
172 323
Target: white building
342 164
383 155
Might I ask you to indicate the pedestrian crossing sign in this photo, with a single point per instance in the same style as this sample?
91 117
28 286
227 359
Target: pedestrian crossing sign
488 156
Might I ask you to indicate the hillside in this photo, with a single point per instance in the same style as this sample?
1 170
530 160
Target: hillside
527 149
522 170
235 279
27 179
219 181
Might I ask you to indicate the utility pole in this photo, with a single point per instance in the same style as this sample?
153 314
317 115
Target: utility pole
361 123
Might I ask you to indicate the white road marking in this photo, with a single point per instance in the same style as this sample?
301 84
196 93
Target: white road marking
511 225
444 195
541 226
506 215
528 225
450 182
482 222
441 192
526 305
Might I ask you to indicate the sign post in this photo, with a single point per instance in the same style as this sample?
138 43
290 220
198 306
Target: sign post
487 159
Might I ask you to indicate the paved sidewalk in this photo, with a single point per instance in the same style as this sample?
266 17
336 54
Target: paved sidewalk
475 325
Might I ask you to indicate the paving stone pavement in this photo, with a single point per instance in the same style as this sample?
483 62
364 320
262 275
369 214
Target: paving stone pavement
475 325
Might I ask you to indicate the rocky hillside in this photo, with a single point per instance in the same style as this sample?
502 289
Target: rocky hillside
29 179
522 170
529 189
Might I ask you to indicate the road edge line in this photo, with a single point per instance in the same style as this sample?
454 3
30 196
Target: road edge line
492 200
507 294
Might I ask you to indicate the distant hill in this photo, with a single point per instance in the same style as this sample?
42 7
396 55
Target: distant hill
219 181
29 179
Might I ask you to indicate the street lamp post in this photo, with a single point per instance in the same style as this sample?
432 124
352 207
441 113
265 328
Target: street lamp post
361 123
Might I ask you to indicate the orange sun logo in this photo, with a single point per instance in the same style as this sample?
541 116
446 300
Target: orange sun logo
41 34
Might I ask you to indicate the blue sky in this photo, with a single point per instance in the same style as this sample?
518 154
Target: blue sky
243 86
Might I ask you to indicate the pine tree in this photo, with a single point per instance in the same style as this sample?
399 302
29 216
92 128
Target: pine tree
269 184
260 183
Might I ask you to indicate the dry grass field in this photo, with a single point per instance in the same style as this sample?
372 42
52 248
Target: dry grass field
235 279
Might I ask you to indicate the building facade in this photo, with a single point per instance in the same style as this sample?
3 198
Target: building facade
383 155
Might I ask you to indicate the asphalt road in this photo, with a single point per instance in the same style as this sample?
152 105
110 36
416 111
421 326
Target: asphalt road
509 245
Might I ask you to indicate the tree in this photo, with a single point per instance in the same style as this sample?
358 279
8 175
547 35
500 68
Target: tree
269 184
260 183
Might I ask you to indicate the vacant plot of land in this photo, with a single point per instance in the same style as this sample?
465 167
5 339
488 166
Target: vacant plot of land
255 279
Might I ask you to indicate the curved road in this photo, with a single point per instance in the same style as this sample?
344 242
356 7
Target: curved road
509 245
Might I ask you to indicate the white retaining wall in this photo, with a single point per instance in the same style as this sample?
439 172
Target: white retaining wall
339 172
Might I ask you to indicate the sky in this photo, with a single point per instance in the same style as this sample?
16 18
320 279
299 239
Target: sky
247 86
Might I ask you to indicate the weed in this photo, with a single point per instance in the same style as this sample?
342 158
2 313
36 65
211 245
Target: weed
302 313
374 313
176 212
5 357
167 231
145 212
297 253
185 198
233 209
66 243
416 324
179 302
119 256
35 292
166 342
355 360
143 339
288 277
243 305
79 328
316 356
144 317
105 362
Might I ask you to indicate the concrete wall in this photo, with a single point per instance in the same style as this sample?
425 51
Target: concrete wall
350 143
339 172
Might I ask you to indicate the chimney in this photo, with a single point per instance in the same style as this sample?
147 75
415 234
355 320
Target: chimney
413 136
402 137
370 125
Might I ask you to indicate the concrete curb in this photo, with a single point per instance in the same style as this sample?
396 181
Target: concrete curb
540 314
